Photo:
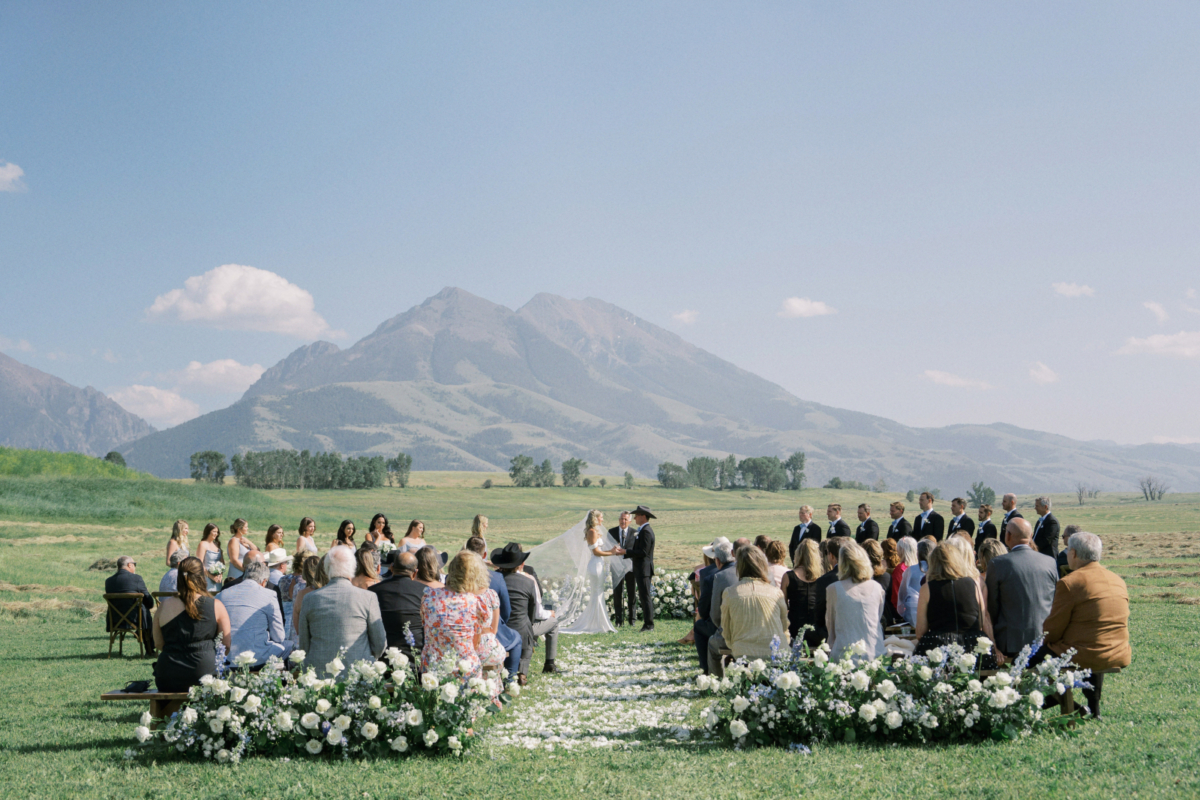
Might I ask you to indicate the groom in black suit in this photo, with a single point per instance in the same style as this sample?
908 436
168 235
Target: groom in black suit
626 587
641 553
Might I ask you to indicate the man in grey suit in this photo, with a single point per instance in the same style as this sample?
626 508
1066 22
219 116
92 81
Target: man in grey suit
1020 588
726 577
256 626
340 616
527 617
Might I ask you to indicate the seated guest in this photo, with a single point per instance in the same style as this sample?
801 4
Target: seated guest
340 617
988 550
293 580
775 558
832 547
910 590
508 638
855 605
169 580
529 617
722 580
753 613
255 620
314 577
761 541
1020 589
799 587
966 552
366 572
126 581
184 630
948 610
429 568
400 606
1064 566
454 618
880 573
277 563
1090 614
703 627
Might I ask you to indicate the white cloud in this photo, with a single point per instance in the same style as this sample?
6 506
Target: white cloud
1191 294
236 297
10 178
1042 374
803 307
20 345
160 407
1157 310
223 376
686 317
1185 344
1175 440
1073 289
947 379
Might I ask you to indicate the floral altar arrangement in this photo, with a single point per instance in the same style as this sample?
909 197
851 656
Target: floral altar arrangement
795 700
371 709
670 592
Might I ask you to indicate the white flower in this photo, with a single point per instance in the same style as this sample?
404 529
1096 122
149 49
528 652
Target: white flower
966 662
334 667
937 655
429 681
146 719
925 673
206 680
821 658
343 722
983 645
222 755
220 686
323 706
929 720
313 746
757 666
702 682
726 684
311 721
245 658
464 666
399 744
237 693
449 693
398 659
252 703
283 720
974 685
1004 697
1036 698
861 681
454 743
738 729
859 648
514 689
298 695
370 730
880 706
415 717
334 736
297 656
142 733
216 726
224 714
943 688
380 669
740 704
399 677
867 712
1003 678
894 720
886 689
431 737
190 716
788 681
374 702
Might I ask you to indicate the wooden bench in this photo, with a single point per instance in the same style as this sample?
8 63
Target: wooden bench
162 704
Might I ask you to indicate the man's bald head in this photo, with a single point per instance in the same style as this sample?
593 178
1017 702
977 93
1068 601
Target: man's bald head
1018 532
738 544
406 563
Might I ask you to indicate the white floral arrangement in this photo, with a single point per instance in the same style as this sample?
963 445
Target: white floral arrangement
386 546
672 595
795 700
373 709
216 569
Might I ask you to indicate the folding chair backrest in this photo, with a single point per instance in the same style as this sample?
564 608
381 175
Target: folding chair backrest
124 610
160 596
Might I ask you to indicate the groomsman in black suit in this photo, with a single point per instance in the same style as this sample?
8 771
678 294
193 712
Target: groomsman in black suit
987 528
1009 503
627 586
899 527
867 527
837 525
928 522
960 521
807 529
1046 531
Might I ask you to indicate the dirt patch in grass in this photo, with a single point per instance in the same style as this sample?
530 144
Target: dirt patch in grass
35 609
1153 545
39 589
1174 597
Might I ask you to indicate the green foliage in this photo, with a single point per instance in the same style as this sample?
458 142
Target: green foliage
27 463
795 470
285 469
935 493
981 495
398 469
571 469
703 471
603 482
209 466
487 484
543 474
910 497
113 457
729 478
673 476
521 470
838 483
114 500
628 480
586 482
763 472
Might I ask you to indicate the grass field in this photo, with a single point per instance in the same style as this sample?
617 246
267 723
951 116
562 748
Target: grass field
58 740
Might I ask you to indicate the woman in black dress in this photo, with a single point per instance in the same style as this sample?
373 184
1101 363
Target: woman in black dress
184 630
948 609
800 592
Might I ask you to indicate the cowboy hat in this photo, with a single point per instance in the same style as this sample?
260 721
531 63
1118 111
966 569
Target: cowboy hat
509 556
645 512
711 550
276 556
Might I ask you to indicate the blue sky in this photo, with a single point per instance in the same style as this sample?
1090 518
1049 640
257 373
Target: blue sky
870 204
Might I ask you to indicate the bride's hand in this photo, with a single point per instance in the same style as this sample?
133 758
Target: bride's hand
618 551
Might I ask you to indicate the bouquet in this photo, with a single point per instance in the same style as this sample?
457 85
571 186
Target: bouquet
217 569
386 547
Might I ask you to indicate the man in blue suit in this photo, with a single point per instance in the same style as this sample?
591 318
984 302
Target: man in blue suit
509 639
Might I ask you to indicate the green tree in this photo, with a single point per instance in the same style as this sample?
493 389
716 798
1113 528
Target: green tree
115 458
834 483
209 466
704 471
729 478
586 482
521 470
911 497
795 470
398 469
763 472
628 479
571 469
543 474
673 476
981 495
603 482
880 486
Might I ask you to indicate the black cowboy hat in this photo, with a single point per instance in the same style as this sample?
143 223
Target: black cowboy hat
443 557
509 556
645 512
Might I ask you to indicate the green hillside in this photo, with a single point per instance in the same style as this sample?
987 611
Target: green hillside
28 463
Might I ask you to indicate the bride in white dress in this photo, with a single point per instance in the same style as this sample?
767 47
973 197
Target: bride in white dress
575 570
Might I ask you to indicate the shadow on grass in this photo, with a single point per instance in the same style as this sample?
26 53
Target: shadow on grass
95 744
101 656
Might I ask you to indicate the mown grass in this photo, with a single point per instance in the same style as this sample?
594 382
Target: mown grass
58 740
27 463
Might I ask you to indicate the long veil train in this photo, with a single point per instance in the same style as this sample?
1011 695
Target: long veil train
561 566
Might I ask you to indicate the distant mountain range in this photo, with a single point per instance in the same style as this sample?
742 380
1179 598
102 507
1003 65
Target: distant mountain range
41 412
461 383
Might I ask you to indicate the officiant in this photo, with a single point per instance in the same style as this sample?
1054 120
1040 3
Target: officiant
624 587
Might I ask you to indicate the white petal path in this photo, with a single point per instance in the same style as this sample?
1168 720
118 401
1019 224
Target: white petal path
622 695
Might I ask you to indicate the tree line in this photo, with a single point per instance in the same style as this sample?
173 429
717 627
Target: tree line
292 469
768 473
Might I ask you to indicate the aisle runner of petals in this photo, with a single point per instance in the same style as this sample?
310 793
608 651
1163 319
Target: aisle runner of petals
608 695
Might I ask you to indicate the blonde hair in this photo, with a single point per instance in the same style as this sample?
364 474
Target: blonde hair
834 507
987 551
751 563
946 564
808 556
854 563
776 552
875 553
593 520
178 532
966 553
466 573
480 522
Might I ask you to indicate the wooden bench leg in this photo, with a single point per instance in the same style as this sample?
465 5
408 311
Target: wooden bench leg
161 709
